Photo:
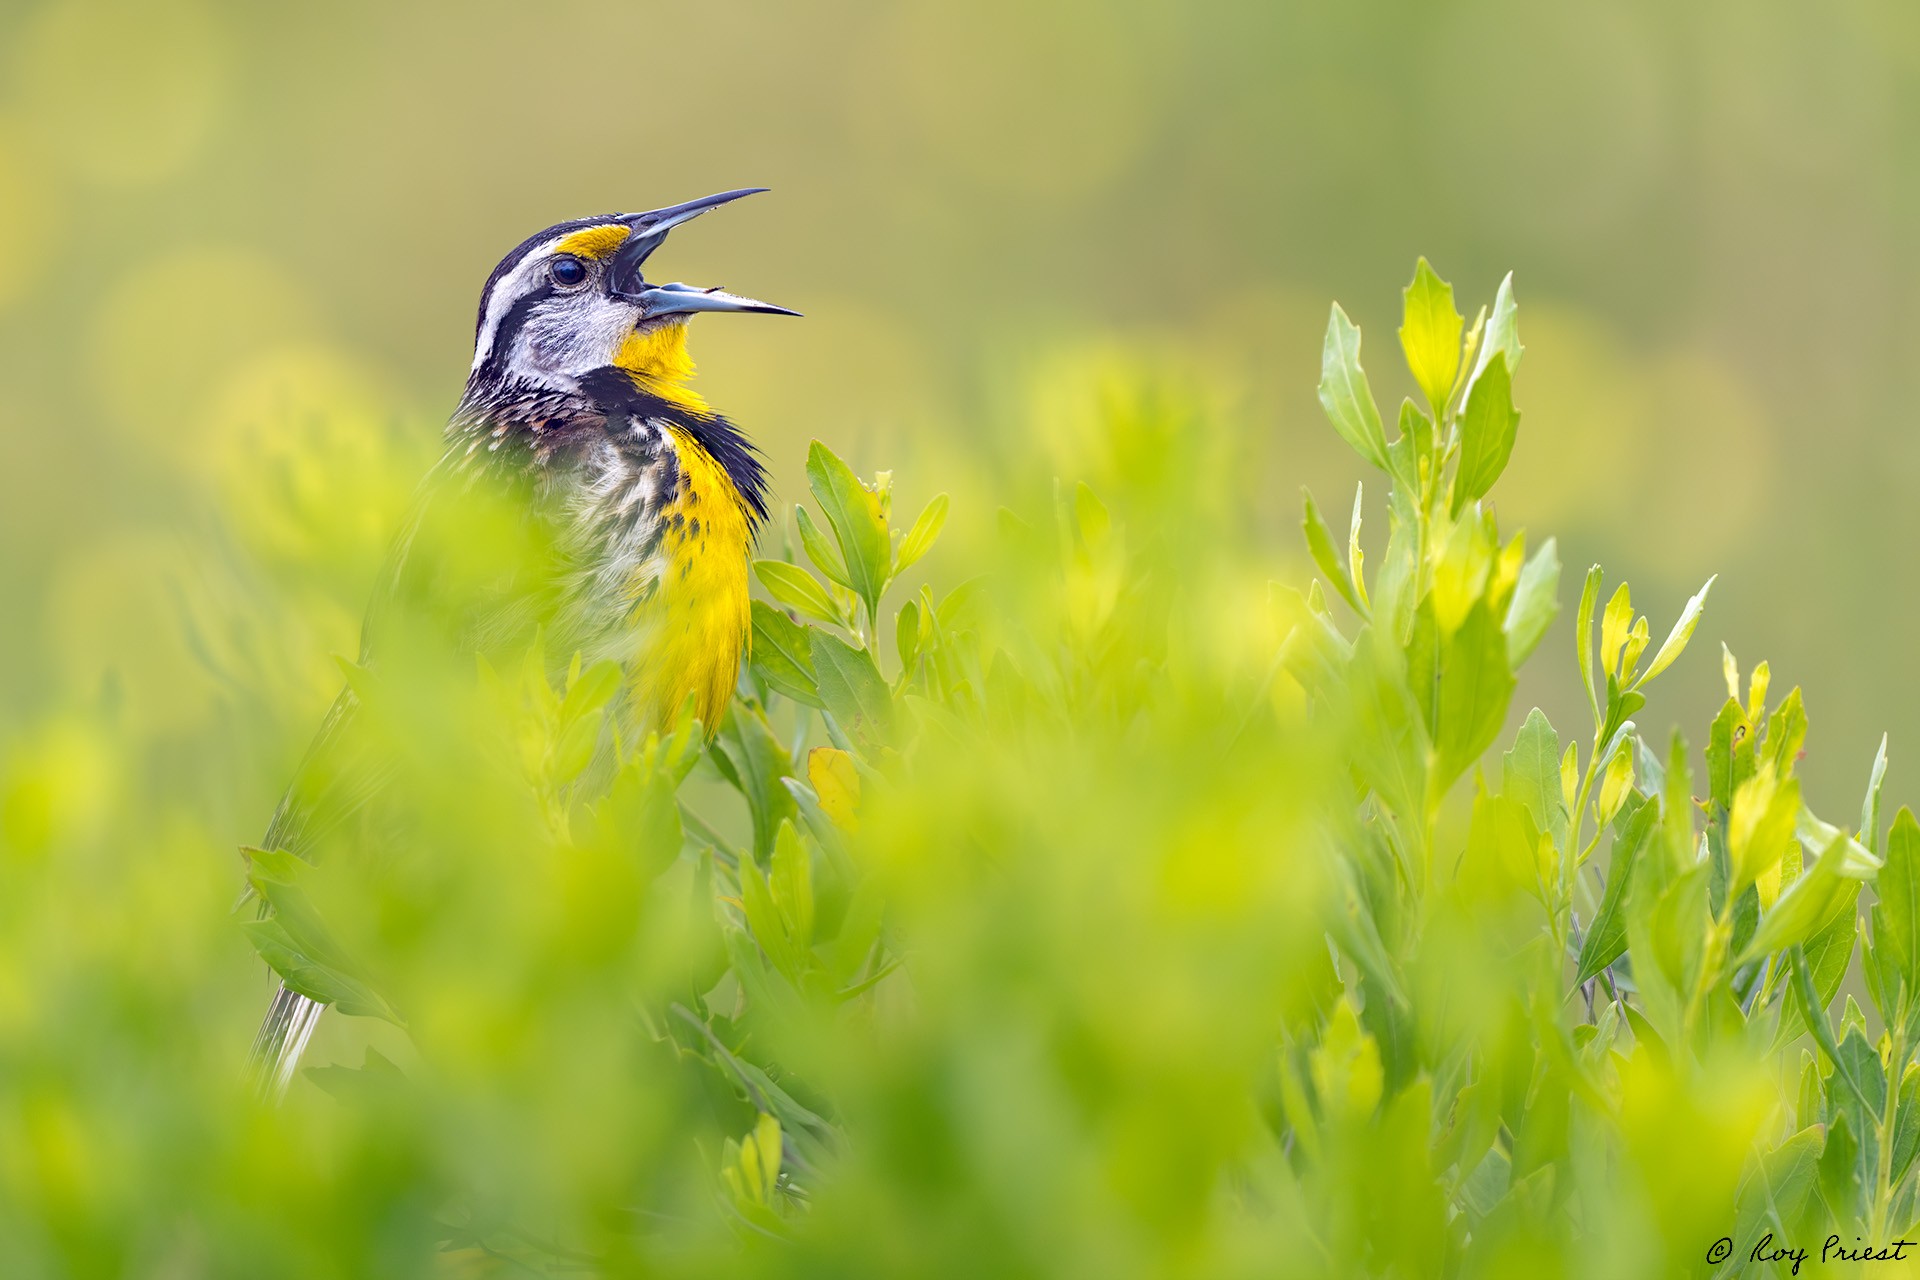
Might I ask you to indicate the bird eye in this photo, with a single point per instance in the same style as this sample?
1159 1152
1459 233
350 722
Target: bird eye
568 273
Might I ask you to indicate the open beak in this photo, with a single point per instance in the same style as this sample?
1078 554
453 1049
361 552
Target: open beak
650 230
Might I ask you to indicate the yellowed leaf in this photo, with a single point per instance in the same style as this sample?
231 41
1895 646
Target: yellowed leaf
837 783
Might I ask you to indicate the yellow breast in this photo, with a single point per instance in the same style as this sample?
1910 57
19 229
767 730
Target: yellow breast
695 624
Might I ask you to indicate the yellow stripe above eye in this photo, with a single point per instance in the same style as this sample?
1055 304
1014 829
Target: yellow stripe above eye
595 242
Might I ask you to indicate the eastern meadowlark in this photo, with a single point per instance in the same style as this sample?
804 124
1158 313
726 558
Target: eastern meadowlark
577 416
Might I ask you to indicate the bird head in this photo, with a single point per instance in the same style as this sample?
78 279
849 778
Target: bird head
572 299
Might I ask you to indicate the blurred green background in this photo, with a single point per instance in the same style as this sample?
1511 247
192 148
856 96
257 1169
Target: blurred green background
240 247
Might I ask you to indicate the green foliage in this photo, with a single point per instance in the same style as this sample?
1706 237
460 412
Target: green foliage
1345 394
1087 915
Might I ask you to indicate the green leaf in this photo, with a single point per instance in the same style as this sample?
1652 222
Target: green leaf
1488 427
797 589
819 550
1502 335
921 537
1607 936
835 779
1730 755
1345 1066
1620 705
766 924
1787 731
1676 642
1534 604
808 1130
1502 854
859 930
1583 636
852 691
1475 687
858 526
1532 776
1840 1184
1356 558
1615 623
962 609
1870 807
1861 1063
1783 1185
1390 739
1397 585
815 818
314 979
1469 354
1344 392
641 811
296 942
1829 951
759 760
1404 471
1906 1129
1460 572
1856 863
574 750
1645 1036
1802 906
373 1082
779 655
791 882
1896 922
1430 334
590 690
1414 447
1666 935
1759 825
1320 546
1677 807
906 635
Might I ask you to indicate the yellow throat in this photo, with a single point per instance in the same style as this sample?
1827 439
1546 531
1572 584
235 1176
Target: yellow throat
693 629
657 357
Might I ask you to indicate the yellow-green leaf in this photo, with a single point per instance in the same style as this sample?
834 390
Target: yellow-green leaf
1344 392
1430 334
819 550
1347 1075
1616 782
921 537
1320 546
1583 636
791 881
1535 601
837 783
1614 626
1760 824
1676 641
779 654
796 588
859 525
1502 335
1488 428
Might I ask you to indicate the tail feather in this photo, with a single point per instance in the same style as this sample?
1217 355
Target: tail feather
283 1038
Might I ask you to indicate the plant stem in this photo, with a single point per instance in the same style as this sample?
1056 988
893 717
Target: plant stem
1883 1176
1570 858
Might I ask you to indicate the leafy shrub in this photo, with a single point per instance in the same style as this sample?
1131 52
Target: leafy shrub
1103 914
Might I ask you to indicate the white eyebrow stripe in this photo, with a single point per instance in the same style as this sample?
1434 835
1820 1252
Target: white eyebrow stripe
505 290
